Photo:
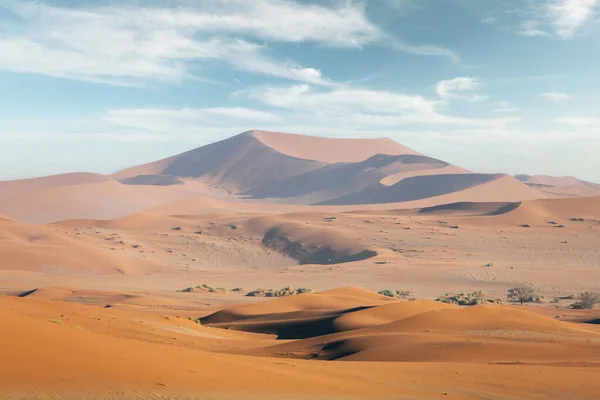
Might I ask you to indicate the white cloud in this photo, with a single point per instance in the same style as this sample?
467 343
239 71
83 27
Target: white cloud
454 88
582 122
531 28
131 42
569 16
177 121
505 107
341 99
563 18
425 50
556 96
488 20
361 108
128 44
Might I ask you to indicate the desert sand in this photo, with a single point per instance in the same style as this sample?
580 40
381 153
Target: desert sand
94 271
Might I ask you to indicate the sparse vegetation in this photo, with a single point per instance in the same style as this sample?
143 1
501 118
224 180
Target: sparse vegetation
56 321
587 300
468 299
524 294
283 292
403 294
286 291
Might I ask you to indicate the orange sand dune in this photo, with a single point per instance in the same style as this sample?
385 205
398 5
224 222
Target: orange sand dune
24 186
424 331
543 210
329 150
47 250
97 200
439 189
76 351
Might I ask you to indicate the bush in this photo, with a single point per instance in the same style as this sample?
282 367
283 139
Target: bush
523 294
387 292
403 294
468 299
283 292
587 300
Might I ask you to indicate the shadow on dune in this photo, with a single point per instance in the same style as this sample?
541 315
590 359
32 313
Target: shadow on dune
320 254
290 325
472 208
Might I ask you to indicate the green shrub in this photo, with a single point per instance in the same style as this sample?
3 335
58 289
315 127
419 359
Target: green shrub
466 299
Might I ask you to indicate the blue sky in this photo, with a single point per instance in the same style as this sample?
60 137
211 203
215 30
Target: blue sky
494 86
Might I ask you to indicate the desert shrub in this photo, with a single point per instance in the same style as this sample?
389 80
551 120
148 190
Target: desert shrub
522 294
188 289
238 290
283 292
466 299
257 293
218 290
587 300
403 294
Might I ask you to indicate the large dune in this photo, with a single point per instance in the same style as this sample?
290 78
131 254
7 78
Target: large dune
435 187
330 150
47 250
80 351
270 172
563 186
98 199
411 331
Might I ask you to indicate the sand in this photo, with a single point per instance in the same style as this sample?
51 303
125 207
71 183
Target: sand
93 270
73 350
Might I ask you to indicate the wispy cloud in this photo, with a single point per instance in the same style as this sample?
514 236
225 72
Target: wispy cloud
569 16
582 122
126 44
129 43
563 18
364 108
456 88
185 120
556 96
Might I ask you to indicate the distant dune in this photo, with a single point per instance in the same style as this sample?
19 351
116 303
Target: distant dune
565 186
271 172
499 187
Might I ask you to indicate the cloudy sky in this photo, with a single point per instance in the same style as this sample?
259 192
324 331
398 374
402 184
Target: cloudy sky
97 85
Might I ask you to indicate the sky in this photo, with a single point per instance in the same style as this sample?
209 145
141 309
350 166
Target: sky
493 86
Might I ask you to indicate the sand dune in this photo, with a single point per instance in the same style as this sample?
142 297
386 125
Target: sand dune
344 178
237 163
255 167
330 150
77 351
47 250
542 211
413 331
433 187
24 186
564 186
104 199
